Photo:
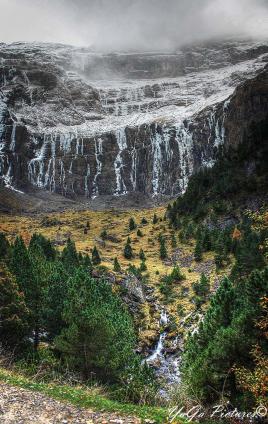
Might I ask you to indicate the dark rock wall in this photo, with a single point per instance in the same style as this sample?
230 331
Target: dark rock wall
42 106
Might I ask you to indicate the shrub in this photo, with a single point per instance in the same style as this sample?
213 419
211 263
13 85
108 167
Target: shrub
173 241
128 252
132 224
163 249
132 269
198 252
143 267
138 385
96 259
176 274
142 255
4 246
104 234
117 267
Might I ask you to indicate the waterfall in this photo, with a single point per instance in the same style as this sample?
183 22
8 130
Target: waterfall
215 126
166 364
13 137
185 146
133 175
121 140
70 171
87 194
158 349
62 176
157 162
98 153
2 115
157 352
36 167
151 92
163 318
66 142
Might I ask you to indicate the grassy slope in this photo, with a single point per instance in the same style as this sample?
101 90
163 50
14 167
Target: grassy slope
84 397
72 223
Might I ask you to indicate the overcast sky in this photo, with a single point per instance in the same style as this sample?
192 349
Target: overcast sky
131 24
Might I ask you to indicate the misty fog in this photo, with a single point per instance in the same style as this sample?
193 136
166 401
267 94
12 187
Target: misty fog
129 25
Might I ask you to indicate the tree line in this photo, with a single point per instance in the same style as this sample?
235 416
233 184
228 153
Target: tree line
53 297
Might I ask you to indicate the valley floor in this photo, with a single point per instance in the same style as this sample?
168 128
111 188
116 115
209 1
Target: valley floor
84 227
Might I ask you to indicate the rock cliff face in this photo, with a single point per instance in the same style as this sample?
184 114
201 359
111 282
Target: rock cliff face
80 123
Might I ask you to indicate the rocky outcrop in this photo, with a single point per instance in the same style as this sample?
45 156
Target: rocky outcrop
63 130
248 108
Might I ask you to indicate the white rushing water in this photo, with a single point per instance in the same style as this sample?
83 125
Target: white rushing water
166 364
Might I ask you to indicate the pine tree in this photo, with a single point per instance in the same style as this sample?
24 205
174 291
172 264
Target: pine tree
4 246
29 270
13 312
139 233
226 336
189 231
142 255
104 234
198 251
204 285
132 269
163 249
202 288
220 250
176 274
36 288
228 241
143 266
56 291
132 224
206 240
144 221
176 223
248 254
203 366
69 256
99 335
173 241
128 252
219 261
117 267
86 262
182 236
39 241
96 259
20 264
155 219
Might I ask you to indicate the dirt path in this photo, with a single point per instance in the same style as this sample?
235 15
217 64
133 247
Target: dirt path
19 406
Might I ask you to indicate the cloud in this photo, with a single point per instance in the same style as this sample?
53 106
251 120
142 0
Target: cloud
131 24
